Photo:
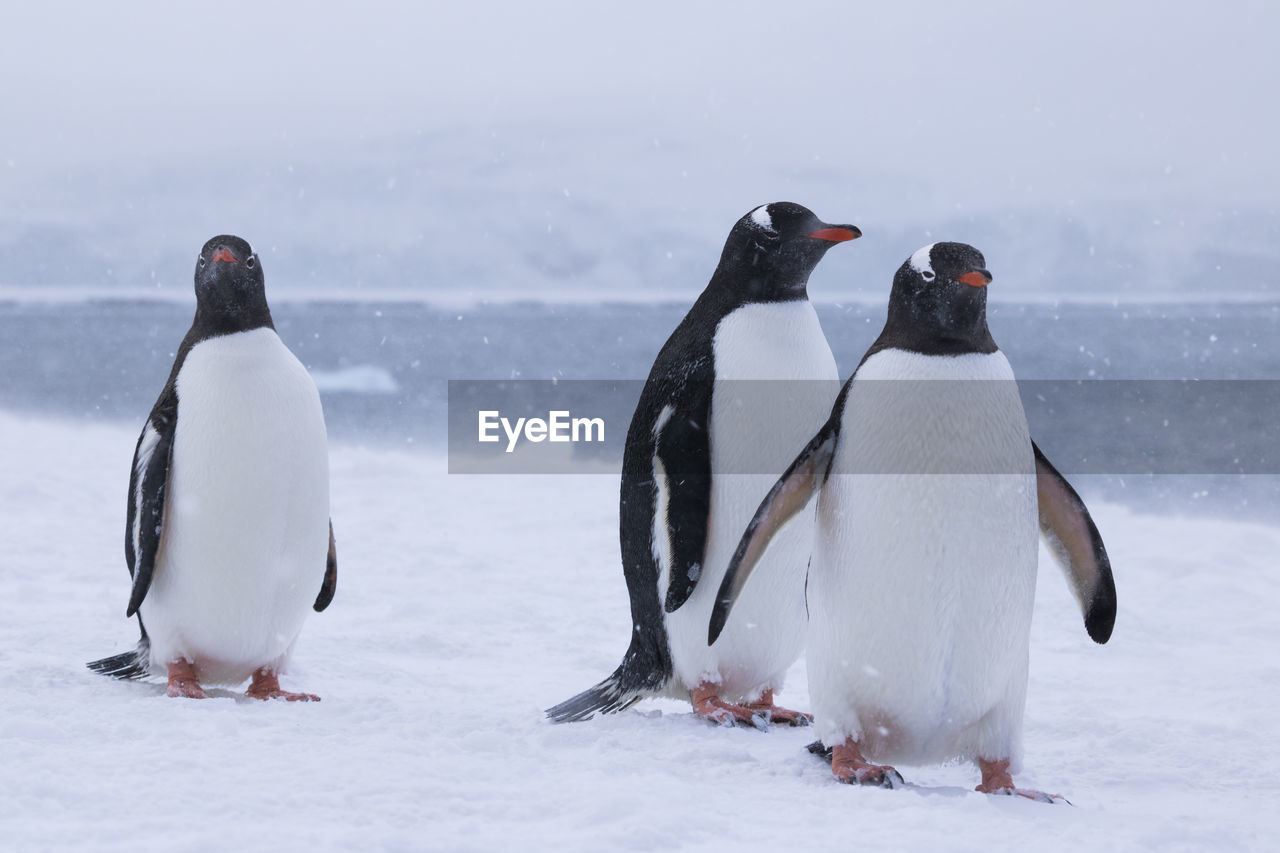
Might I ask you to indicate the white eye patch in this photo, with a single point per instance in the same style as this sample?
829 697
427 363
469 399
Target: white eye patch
921 262
761 217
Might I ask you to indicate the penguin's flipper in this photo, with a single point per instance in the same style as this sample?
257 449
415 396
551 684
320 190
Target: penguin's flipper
682 468
330 583
1075 543
147 487
787 497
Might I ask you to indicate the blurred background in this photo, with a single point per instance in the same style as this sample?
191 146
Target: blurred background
557 149
510 190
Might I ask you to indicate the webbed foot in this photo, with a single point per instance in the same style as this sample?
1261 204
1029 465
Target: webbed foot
266 685
182 681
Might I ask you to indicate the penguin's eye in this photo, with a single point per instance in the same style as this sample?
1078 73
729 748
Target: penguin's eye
200 261
928 275
252 262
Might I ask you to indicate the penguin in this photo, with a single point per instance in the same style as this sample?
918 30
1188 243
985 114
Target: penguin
930 496
228 538
701 451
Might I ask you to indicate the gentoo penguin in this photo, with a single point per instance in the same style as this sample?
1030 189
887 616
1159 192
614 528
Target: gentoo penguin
228 538
701 452
921 587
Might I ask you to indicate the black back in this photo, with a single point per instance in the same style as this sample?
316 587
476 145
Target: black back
768 257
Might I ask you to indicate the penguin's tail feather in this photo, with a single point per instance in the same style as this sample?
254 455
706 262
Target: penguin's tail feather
126 665
606 697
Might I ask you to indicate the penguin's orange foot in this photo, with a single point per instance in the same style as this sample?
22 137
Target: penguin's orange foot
708 705
266 685
182 681
849 766
778 714
996 780
760 714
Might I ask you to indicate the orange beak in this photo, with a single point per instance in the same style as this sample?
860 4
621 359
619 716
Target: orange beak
976 278
836 235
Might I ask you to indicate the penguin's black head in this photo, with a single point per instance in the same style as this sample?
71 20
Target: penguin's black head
771 251
230 290
940 294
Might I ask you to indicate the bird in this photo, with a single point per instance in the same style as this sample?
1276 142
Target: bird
705 443
930 495
228 537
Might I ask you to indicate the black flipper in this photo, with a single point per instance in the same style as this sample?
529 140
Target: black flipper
148 486
683 449
789 495
330 583
669 426
1075 543
148 482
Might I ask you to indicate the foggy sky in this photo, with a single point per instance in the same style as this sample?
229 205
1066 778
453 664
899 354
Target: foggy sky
132 126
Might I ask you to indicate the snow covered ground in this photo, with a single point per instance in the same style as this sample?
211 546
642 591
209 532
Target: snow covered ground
467 604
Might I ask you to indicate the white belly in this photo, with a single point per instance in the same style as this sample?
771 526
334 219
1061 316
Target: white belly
924 566
242 555
757 428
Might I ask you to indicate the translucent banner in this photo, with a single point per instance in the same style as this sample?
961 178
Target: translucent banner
1137 427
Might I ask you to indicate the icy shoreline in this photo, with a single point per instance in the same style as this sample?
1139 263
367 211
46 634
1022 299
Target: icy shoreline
870 296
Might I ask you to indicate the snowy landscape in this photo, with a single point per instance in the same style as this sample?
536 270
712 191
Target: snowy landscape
533 192
466 605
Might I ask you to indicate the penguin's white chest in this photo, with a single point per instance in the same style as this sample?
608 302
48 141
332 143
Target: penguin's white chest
923 576
775 380
242 554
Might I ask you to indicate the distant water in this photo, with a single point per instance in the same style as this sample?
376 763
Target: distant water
383 367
